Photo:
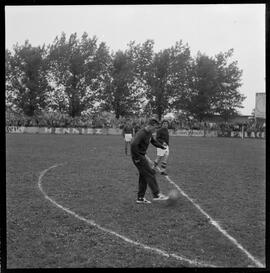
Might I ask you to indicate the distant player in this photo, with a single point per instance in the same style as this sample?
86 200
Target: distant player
162 155
147 176
127 134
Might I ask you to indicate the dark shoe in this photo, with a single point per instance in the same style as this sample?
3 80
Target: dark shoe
164 173
142 201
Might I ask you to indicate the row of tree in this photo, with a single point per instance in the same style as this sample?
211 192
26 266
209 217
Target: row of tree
73 75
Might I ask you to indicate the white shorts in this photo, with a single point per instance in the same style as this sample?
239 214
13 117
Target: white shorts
128 137
161 152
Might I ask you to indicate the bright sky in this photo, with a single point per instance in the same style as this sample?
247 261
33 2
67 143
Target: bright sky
206 28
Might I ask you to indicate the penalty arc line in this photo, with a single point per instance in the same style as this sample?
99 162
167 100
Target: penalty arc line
215 223
93 223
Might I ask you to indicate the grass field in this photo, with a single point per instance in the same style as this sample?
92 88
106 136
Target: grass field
97 182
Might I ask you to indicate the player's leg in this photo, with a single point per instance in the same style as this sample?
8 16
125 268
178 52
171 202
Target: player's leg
126 147
157 160
142 185
148 175
164 161
160 155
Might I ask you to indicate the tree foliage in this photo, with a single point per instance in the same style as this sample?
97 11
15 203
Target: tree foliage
122 94
228 98
212 87
78 67
163 75
26 82
198 102
73 75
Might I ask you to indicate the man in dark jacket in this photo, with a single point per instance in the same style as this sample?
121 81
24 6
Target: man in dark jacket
147 176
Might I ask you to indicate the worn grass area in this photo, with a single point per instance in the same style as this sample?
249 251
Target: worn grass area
226 177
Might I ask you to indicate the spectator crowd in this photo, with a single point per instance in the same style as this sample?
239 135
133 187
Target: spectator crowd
109 121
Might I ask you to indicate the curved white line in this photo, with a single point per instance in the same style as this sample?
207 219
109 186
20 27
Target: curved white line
92 223
212 221
215 224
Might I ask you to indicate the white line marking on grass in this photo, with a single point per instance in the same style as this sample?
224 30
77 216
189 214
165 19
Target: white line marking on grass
92 223
214 223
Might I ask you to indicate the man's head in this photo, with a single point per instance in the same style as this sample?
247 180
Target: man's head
152 125
165 123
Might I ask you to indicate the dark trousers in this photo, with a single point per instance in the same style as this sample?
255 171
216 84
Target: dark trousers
146 177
